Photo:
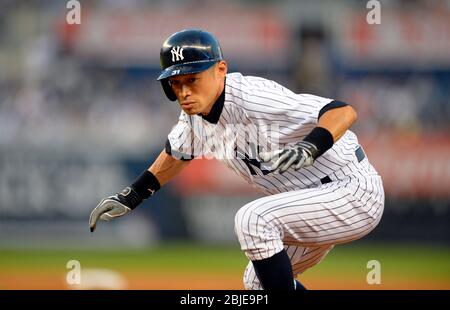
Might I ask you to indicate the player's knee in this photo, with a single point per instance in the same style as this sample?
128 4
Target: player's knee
258 234
249 220
242 222
238 223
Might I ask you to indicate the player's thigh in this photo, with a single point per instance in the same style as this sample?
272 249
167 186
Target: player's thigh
328 214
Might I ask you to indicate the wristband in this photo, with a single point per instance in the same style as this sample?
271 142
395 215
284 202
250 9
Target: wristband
146 184
321 138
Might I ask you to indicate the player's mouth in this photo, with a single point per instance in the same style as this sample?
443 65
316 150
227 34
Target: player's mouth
187 105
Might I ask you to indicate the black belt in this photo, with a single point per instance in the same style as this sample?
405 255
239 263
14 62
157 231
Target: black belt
360 155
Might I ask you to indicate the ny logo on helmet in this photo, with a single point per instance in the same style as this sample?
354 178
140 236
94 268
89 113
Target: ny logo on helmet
177 53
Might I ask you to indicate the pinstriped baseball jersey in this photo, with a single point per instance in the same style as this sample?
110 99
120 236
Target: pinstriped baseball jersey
255 114
338 199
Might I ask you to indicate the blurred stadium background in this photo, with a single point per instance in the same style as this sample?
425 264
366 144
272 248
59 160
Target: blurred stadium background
81 115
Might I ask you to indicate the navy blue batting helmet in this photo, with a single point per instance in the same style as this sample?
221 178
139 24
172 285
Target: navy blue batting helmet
187 51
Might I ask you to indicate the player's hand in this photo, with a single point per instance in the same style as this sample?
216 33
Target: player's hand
300 155
114 206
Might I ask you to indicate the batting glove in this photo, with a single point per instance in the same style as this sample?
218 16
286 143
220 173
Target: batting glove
114 206
301 154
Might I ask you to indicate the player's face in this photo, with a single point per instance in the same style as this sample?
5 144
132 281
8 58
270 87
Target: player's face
197 92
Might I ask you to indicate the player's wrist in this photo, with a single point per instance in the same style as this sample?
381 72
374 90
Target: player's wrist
145 185
128 197
321 138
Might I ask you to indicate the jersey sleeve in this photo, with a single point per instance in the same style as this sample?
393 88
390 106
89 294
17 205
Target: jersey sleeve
182 143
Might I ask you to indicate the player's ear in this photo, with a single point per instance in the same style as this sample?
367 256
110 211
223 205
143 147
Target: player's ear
222 68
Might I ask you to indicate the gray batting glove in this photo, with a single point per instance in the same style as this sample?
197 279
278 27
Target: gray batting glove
300 155
114 206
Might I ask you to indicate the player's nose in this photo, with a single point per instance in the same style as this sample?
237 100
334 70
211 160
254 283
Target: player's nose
185 91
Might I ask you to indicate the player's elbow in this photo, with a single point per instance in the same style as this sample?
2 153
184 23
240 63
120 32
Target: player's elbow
351 115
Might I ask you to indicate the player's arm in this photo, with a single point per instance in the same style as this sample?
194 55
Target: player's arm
164 168
337 121
333 121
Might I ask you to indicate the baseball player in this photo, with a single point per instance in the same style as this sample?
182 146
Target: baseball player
320 188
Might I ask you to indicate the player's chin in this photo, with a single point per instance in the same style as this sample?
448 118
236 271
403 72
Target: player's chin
190 111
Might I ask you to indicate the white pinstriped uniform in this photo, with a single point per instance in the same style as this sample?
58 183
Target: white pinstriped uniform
301 212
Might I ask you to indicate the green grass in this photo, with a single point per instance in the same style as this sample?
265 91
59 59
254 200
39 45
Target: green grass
179 256
406 261
396 260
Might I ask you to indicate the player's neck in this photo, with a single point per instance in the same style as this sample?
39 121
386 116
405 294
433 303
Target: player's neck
219 92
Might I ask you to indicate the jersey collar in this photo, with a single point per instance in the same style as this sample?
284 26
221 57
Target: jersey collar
216 110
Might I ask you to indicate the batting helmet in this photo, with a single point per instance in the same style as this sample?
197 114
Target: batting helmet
187 51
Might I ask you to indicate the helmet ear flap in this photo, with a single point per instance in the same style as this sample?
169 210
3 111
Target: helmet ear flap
168 90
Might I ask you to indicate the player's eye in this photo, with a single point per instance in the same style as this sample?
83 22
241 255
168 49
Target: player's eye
174 83
192 80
